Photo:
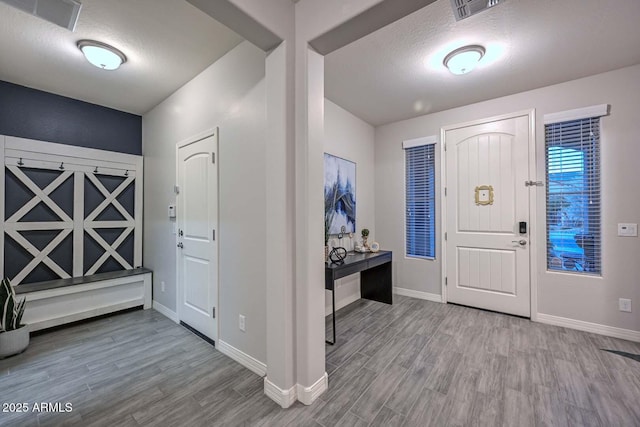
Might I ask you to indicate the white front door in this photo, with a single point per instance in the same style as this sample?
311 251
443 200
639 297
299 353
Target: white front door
487 257
196 217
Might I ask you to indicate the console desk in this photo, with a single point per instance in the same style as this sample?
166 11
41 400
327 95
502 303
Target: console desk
375 278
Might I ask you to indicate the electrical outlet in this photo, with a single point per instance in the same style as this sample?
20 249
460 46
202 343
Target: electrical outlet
162 287
624 304
241 323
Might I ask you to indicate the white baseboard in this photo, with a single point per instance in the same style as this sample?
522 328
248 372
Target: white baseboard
242 358
342 302
165 311
417 294
308 395
284 398
596 328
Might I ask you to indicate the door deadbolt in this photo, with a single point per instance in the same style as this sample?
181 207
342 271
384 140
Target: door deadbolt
180 245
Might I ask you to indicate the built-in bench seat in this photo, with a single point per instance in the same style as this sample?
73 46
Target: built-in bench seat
57 302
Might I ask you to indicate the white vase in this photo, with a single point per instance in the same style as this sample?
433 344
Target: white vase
14 342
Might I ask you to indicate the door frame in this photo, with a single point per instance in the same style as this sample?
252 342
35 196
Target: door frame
193 139
533 196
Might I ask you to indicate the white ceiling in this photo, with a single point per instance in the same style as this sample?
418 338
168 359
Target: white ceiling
397 73
167 43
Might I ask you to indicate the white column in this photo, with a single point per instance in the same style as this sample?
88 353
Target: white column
280 380
310 351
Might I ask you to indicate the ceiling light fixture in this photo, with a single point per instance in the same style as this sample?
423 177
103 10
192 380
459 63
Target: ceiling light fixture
101 54
464 59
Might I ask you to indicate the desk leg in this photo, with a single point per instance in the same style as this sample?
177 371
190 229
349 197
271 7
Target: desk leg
376 283
333 315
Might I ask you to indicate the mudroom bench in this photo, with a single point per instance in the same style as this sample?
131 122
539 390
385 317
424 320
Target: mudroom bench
57 302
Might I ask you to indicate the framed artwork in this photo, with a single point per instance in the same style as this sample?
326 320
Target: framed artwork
339 195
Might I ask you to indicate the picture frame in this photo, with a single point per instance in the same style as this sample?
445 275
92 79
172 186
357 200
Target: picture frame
339 195
484 195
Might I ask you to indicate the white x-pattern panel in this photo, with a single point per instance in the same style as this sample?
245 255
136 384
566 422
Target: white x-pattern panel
110 198
77 163
40 195
39 256
90 225
13 226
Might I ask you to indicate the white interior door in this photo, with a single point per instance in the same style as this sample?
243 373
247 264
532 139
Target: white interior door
196 217
487 257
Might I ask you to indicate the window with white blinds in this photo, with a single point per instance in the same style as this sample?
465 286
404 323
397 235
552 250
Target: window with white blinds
573 195
420 201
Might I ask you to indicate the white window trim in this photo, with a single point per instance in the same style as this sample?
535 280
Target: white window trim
418 142
576 114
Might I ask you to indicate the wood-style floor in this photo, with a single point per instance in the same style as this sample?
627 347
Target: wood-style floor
415 363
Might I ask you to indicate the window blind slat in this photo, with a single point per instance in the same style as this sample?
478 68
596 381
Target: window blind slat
420 201
573 195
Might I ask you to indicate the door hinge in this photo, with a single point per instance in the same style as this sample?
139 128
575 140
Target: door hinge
214 234
445 191
213 158
213 312
445 235
444 146
533 184
446 281
176 189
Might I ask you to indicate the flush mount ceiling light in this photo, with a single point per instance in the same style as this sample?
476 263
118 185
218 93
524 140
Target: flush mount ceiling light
464 59
101 54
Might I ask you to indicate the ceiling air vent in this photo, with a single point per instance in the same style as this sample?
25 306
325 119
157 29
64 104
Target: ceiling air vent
60 12
465 8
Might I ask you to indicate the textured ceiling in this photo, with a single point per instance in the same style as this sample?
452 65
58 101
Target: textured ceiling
167 43
397 73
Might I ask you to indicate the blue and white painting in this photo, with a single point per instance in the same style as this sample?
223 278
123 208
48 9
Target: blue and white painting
339 195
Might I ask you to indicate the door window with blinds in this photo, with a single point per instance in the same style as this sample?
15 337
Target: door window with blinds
572 153
420 198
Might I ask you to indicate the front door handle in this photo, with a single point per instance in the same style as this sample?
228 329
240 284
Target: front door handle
521 242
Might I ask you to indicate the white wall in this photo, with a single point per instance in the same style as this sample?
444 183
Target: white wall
590 299
229 94
352 138
413 274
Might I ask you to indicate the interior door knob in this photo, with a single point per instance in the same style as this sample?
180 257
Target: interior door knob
521 242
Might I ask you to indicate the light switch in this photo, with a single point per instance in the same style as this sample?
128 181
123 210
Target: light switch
628 230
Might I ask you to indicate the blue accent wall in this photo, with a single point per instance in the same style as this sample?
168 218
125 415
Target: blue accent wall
34 114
